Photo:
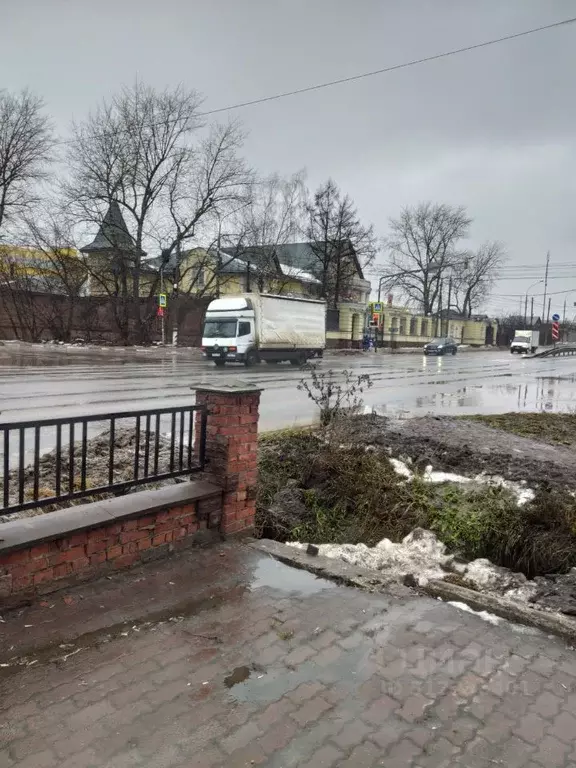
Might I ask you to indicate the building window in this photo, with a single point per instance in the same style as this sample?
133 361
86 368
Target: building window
200 278
402 326
413 325
424 328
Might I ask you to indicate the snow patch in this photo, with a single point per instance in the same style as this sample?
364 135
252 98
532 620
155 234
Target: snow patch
484 615
420 554
431 476
401 468
520 490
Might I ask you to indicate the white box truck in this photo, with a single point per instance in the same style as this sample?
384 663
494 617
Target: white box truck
252 327
525 342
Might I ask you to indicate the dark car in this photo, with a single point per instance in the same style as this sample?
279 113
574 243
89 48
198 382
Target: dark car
442 346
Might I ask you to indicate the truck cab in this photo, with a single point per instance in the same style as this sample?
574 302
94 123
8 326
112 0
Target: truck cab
229 333
525 342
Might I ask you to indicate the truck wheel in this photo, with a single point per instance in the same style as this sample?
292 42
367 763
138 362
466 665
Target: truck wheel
219 363
299 360
251 358
511 351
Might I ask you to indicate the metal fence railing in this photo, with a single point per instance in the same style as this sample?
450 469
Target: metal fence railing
55 460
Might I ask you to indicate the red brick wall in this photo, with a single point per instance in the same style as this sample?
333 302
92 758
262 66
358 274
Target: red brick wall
48 566
36 316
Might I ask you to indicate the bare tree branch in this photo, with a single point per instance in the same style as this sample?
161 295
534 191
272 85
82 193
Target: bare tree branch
474 279
342 245
26 145
271 218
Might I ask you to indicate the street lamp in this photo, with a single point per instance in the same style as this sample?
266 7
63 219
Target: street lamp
526 304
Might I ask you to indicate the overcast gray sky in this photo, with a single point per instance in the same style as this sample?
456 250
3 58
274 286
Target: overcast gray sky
492 129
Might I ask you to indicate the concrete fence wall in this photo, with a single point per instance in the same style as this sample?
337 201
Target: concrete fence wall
50 551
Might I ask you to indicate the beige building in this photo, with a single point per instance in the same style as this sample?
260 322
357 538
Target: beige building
404 328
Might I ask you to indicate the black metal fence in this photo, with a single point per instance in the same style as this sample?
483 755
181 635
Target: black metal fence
55 460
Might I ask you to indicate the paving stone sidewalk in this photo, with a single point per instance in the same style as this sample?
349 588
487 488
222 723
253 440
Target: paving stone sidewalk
286 670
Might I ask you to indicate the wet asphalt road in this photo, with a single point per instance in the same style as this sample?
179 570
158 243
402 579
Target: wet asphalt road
37 385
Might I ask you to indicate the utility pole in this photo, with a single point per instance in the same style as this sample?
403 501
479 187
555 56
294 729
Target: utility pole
548 313
531 312
525 309
564 312
448 307
163 319
439 319
175 298
545 285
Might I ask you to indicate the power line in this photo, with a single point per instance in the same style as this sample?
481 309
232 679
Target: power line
393 68
517 295
362 76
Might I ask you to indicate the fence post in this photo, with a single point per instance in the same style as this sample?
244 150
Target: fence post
231 449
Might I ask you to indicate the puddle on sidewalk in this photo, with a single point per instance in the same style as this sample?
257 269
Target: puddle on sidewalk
238 675
256 685
275 575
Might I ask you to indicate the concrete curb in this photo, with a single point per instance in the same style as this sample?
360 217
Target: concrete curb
329 568
355 576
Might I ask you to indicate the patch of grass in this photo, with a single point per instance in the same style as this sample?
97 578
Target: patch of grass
283 456
350 495
553 428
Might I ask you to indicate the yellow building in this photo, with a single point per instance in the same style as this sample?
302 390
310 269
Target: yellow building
57 270
401 326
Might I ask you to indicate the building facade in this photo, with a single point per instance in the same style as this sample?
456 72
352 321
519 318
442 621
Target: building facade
402 327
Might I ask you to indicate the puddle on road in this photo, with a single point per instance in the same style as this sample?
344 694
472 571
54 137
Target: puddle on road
275 575
543 394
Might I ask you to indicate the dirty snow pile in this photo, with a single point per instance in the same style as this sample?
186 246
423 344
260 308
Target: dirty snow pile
420 553
520 490
423 557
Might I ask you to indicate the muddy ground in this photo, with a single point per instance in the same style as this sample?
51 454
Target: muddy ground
469 447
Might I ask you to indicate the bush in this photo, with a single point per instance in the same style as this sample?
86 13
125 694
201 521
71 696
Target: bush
335 398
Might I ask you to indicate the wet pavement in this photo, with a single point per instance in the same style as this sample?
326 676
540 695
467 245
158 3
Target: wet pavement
37 385
273 667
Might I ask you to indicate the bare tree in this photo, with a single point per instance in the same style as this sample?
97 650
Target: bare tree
26 144
19 289
60 274
342 245
127 152
138 151
475 277
424 246
214 180
272 218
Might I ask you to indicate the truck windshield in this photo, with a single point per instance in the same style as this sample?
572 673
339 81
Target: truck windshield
214 329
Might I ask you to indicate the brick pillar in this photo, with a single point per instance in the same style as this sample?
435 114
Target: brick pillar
231 450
